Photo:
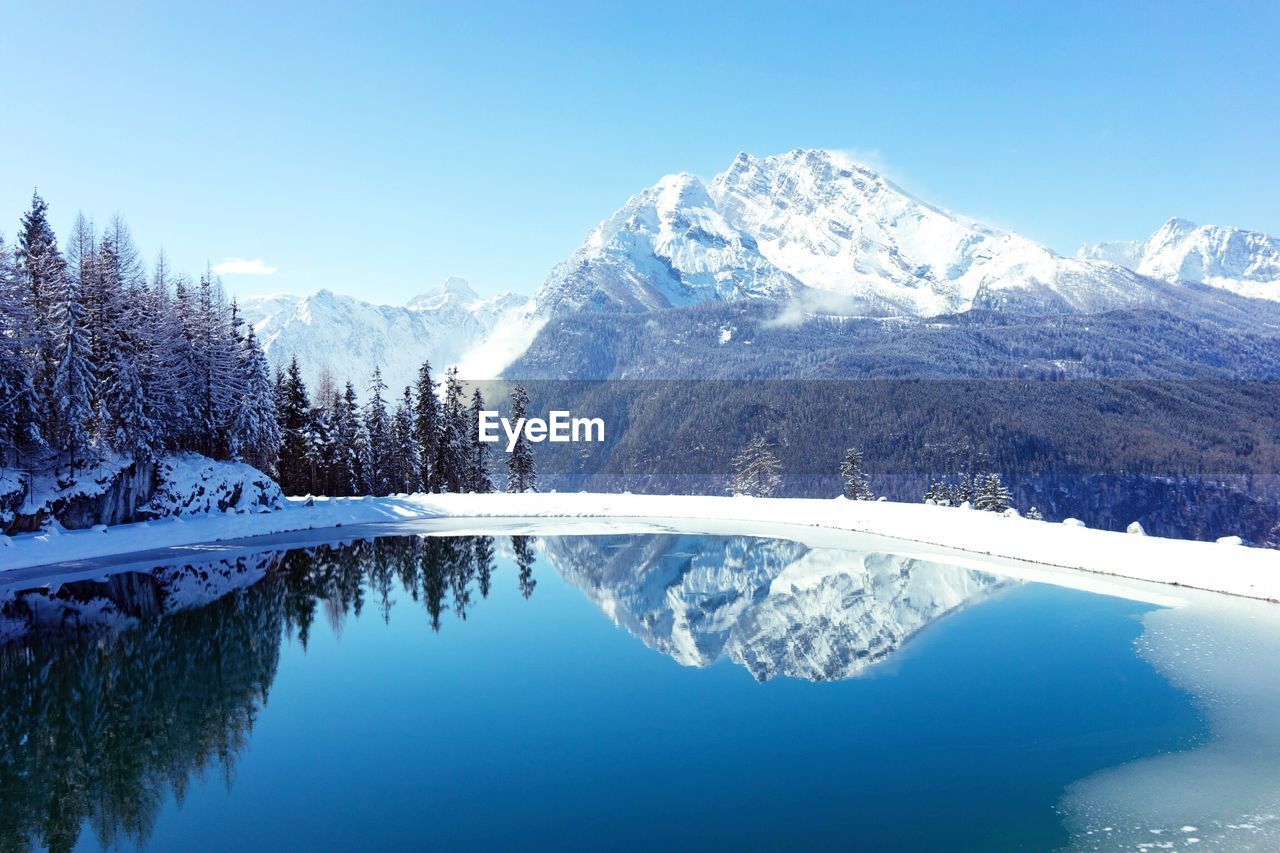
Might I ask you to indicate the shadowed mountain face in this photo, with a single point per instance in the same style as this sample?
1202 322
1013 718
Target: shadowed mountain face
775 607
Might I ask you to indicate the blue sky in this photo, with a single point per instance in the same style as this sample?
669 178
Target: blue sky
376 151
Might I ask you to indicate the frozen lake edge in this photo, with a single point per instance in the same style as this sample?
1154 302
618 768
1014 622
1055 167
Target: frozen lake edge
1016 546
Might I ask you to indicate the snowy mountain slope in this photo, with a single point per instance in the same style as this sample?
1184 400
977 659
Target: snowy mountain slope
350 337
840 227
775 607
1243 262
815 223
667 246
810 229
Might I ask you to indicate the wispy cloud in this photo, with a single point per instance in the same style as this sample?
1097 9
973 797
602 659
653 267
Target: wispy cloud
872 158
241 266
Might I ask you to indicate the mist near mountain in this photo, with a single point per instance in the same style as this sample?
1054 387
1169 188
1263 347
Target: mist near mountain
349 337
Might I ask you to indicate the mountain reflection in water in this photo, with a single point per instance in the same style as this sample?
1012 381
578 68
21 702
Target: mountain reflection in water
774 606
116 693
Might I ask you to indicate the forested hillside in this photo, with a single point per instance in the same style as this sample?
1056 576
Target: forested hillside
108 368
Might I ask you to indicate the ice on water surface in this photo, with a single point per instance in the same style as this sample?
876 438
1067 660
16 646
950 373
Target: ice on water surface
1225 792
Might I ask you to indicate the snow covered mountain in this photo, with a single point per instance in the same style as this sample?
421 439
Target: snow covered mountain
667 246
350 337
774 607
810 228
819 225
1244 262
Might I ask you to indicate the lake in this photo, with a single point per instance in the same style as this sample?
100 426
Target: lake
623 691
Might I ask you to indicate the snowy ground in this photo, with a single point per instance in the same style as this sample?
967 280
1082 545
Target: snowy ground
963 534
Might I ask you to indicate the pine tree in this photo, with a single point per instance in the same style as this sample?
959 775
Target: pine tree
21 421
82 267
294 422
255 431
176 351
214 344
941 493
377 436
326 385
122 351
322 451
166 371
405 464
1035 514
854 477
123 423
130 269
756 470
348 441
104 301
426 427
41 270
521 476
73 379
991 495
452 459
478 479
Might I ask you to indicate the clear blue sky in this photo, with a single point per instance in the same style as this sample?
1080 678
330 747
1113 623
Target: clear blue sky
376 151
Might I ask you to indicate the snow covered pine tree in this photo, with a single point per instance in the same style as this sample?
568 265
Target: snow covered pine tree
520 474
756 470
853 476
991 495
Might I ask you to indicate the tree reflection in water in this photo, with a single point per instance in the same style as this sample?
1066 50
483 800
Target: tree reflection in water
115 693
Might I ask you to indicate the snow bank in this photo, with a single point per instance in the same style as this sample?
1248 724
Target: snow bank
192 484
117 490
1249 572
101 490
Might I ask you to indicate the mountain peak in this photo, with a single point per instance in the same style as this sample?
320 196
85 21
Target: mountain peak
451 289
1176 226
812 219
459 287
1244 262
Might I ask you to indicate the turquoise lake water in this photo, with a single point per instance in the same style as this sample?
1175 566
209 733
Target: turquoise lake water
595 692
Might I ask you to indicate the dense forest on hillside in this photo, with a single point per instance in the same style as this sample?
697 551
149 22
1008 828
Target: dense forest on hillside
1187 458
99 357
1199 334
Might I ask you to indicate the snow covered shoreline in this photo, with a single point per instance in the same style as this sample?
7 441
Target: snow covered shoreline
1236 570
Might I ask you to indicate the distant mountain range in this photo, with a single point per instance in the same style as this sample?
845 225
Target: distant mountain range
810 231
817 225
350 337
1244 262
